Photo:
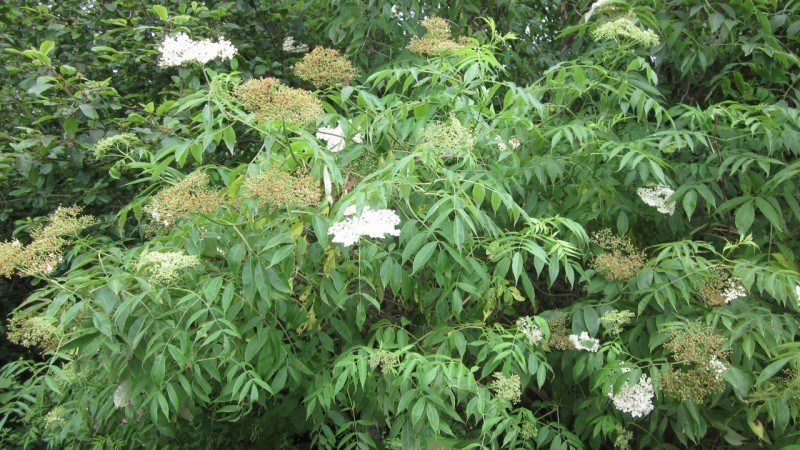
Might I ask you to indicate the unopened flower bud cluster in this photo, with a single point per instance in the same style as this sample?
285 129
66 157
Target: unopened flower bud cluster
43 254
448 138
437 40
37 331
270 100
371 223
325 67
621 261
190 196
508 388
122 141
615 319
719 288
383 359
699 354
181 49
278 189
623 28
166 267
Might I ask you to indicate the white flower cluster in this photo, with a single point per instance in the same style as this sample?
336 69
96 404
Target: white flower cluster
122 395
181 49
599 5
636 400
514 141
290 46
717 366
166 267
374 223
334 138
657 196
584 342
734 289
532 331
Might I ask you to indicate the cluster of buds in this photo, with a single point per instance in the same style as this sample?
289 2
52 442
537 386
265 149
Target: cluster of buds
624 29
190 196
325 67
615 319
448 138
122 141
720 288
166 267
621 261
698 353
508 388
437 40
559 332
277 189
36 331
270 100
383 359
43 254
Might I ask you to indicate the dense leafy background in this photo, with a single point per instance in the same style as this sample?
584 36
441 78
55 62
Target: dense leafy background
270 339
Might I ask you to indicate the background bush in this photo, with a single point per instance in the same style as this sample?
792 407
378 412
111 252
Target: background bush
561 172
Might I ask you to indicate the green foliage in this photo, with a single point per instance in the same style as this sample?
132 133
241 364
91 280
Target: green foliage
575 227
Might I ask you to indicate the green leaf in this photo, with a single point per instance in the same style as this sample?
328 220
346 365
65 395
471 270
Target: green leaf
744 217
772 369
424 255
88 111
161 11
158 370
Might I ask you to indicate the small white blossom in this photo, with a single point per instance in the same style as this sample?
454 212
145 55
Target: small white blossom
636 400
733 289
526 326
122 395
657 196
797 294
181 49
584 342
334 138
514 141
371 223
717 366
290 46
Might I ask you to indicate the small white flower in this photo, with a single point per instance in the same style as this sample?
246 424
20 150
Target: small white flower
122 395
717 366
797 294
526 326
657 196
181 49
290 46
733 289
371 223
636 400
584 342
514 141
334 138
